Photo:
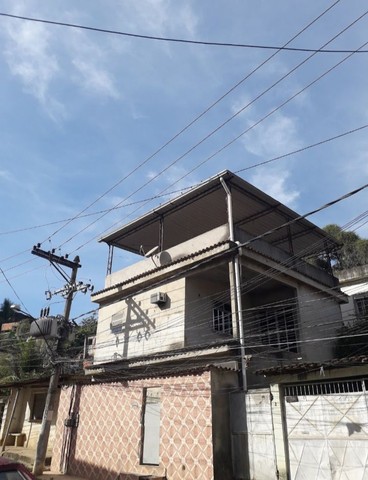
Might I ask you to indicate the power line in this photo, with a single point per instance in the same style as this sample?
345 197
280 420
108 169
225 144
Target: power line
172 192
195 120
177 40
326 72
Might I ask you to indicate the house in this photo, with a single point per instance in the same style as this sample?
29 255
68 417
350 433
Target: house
223 286
354 283
315 420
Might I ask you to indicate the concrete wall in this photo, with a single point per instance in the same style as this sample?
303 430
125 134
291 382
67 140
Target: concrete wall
145 328
201 294
320 318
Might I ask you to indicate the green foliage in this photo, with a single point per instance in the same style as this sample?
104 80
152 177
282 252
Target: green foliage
86 328
353 250
21 357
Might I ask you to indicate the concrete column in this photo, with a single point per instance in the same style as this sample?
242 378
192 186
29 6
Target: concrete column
280 432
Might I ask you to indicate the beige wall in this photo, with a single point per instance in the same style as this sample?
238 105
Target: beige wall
146 328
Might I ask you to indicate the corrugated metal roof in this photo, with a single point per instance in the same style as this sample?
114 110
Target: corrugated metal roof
204 208
355 289
310 366
163 267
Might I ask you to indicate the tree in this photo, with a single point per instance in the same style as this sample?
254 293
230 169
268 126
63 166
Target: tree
87 328
6 311
21 357
353 250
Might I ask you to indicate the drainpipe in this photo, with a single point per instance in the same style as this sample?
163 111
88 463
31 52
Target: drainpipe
10 421
237 286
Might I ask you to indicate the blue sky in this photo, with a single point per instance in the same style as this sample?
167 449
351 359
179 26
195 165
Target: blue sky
80 110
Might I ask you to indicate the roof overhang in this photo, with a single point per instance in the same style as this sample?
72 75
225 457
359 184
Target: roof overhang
204 208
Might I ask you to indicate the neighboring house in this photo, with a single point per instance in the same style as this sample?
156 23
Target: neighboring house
23 414
223 286
312 422
354 283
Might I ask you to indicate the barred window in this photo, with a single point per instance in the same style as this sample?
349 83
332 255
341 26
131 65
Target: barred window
221 319
361 307
277 327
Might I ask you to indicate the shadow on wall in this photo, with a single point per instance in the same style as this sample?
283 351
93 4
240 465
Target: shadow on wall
136 321
90 471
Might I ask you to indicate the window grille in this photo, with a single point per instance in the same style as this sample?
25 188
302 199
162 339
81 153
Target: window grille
277 327
326 388
222 320
361 306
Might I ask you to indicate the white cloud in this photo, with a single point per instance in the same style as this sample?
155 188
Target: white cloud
274 184
95 79
276 136
157 17
30 58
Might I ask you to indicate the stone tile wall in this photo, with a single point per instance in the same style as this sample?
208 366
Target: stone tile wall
107 443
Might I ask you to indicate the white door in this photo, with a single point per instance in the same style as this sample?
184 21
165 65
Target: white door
261 449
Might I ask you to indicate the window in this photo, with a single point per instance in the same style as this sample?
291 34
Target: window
277 328
361 307
151 427
38 406
222 320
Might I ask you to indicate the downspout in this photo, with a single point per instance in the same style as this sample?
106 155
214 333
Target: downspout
10 421
237 286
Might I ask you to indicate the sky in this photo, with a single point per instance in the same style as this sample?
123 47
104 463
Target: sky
83 113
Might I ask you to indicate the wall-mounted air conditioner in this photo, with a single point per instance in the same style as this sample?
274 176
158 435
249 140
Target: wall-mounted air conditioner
158 298
117 320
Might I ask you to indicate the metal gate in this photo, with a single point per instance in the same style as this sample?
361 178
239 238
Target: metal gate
327 430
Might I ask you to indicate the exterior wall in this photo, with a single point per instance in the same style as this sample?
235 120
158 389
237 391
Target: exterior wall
146 328
200 296
107 441
320 318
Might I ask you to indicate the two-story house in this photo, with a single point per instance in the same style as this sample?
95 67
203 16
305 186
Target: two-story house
224 284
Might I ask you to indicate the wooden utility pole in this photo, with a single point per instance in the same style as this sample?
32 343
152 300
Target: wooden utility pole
53 391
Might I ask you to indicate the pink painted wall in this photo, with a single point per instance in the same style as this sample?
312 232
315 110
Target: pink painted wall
107 442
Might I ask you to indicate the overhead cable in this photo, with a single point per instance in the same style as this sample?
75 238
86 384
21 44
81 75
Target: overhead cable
178 40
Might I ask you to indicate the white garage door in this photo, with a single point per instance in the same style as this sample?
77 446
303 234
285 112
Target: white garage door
327 429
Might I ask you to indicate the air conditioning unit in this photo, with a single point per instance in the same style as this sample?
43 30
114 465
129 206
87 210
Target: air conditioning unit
117 320
158 298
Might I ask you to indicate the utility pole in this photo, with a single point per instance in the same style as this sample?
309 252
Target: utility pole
53 392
